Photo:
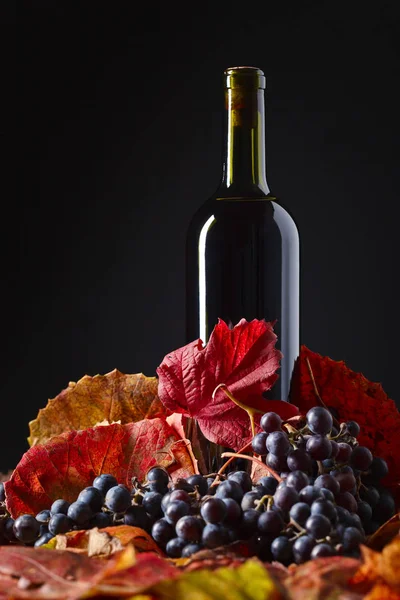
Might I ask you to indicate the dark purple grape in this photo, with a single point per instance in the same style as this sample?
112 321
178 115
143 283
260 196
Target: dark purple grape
104 482
174 547
8 529
199 482
302 548
258 443
242 478
278 443
299 460
59 506
300 512
214 510
268 485
118 499
347 500
270 523
320 506
281 549
43 516
285 497
364 511
318 526
60 523
346 481
352 538
370 494
189 528
379 468
175 510
361 458
80 512
136 516
334 449
179 495
353 428
319 447
92 496
233 511
385 508
214 535
152 504
190 549
321 550
327 494
100 520
159 475
162 532
250 499
26 528
270 422
277 463
328 482
319 420
297 479
2 492
344 452
309 493
248 524
344 516
229 489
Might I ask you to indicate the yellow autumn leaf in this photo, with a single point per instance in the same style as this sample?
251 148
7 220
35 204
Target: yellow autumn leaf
113 397
249 581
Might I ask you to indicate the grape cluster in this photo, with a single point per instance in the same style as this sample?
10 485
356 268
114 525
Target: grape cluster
322 497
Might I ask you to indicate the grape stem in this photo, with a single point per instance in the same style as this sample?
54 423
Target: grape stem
255 460
335 421
228 462
250 411
299 527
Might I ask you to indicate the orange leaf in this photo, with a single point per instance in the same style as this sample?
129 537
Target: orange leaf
355 398
114 397
69 462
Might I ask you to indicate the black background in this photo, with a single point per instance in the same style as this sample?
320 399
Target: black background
119 142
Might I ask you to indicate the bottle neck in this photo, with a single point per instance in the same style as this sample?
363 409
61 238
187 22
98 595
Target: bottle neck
244 152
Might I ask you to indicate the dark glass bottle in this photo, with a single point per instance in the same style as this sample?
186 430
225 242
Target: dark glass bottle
242 246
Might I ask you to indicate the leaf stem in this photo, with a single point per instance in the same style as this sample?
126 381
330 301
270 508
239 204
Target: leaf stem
250 411
336 422
253 459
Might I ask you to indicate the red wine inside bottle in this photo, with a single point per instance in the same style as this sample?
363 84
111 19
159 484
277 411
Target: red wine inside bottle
242 245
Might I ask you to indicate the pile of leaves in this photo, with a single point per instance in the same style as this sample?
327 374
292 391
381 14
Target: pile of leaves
126 423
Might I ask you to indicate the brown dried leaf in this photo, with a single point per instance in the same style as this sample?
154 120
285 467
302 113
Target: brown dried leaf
105 541
389 530
111 398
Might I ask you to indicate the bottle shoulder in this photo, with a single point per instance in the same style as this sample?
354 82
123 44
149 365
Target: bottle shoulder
266 207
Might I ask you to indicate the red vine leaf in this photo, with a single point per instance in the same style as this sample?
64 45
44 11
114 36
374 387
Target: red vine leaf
354 398
244 359
69 462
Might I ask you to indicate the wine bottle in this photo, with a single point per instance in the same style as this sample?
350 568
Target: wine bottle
242 244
